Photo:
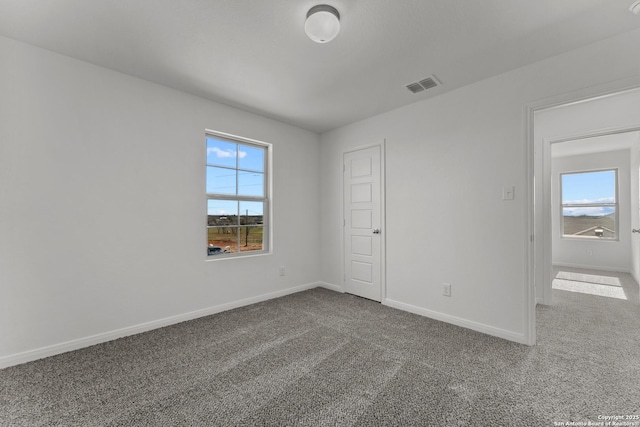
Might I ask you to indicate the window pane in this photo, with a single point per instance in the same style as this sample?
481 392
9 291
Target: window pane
251 213
251 238
250 183
251 158
222 212
589 187
221 153
222 240
221 181
222 223
251 226
597 221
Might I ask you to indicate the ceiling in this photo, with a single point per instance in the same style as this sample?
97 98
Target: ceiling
254 55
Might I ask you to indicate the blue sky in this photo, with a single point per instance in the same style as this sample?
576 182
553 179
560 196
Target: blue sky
223 157
590 187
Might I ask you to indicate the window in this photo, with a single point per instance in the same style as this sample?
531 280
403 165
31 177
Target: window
589 204
237 196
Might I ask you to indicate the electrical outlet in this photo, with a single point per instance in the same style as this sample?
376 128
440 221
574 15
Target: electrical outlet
590 252
282 270
446 289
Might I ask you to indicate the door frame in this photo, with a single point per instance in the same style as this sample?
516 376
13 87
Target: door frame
383 221
538 227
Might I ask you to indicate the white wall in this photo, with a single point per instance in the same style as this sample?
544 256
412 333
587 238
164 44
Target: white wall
596 116
102 207
614 255
448 159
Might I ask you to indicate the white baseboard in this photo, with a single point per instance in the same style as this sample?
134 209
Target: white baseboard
479 327
52 350
591 267
331 287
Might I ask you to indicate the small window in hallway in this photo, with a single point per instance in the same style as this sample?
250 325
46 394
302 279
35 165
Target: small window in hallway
589 204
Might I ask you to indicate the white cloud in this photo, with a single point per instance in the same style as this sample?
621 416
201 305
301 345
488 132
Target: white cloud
590 201
222 154
588 211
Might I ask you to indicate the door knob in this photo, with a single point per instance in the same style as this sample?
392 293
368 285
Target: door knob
635 230
377 231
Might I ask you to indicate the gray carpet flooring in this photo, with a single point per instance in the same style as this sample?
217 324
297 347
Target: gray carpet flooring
329 359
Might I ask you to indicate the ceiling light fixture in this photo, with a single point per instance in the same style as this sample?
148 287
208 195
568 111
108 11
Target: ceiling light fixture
322 24
635 7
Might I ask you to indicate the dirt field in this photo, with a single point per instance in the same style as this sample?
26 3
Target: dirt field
233 247
225 237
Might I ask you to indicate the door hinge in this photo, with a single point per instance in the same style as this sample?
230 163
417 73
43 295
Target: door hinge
344 222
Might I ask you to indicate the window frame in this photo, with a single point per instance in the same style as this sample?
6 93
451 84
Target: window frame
265 199
615 205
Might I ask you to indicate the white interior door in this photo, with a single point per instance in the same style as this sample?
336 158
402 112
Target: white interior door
363 233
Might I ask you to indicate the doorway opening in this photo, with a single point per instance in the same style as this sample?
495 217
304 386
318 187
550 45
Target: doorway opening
584 127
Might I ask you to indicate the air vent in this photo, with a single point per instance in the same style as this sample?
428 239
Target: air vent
424 84
428 83
415 87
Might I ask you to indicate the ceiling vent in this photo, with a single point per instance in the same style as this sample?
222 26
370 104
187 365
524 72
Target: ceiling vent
415 87
424 84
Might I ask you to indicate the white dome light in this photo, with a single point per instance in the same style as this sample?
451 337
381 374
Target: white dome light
635 7
322 24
